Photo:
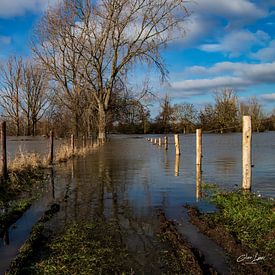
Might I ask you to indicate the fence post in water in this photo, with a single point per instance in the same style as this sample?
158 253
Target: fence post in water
166 143
247 134
51 148
177 144
4 150
198 147
72 143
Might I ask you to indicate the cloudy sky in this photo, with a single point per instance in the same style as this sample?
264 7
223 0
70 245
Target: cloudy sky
227 44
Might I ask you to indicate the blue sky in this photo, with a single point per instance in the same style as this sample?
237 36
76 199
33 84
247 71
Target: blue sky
227 44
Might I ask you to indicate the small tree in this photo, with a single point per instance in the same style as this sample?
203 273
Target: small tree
226 110
185 117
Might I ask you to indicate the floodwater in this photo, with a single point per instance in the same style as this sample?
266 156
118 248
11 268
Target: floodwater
130 180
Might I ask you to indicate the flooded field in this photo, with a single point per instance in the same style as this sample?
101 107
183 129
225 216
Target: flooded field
130 180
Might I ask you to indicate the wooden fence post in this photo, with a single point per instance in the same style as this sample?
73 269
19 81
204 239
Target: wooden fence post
72 143
198 147
166 143
177 144
51 148
247 136
4 150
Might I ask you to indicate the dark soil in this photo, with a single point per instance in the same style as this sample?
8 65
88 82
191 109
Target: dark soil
180 256
243 259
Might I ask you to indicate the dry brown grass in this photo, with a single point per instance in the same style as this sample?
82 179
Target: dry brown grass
25 161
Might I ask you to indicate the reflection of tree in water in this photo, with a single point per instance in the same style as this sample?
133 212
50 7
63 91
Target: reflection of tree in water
101 182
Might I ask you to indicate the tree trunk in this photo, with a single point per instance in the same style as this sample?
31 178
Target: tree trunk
101 123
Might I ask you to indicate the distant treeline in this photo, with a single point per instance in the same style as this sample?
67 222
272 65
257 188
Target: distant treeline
224 115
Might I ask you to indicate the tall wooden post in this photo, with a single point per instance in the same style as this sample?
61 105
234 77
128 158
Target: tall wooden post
198 147
72 143
247 136
4 150
155 141
51 148
177 144
166 143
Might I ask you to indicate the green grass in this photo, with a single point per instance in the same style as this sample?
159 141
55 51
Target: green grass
249 218
87 248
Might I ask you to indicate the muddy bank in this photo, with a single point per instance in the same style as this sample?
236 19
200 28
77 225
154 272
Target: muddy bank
244 227
180 256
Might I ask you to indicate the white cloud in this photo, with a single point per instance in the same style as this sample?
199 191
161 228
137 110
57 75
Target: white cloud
226 74
265 54
268 97
242 11
10 8
237 42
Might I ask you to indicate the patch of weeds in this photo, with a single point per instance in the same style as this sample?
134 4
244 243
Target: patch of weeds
85 248
247 217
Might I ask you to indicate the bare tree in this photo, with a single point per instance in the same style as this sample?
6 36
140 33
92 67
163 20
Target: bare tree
34 90
185 116
226 110
110 36
59 50
10 90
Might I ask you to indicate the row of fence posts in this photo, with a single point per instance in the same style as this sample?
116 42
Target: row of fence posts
246 152
4 166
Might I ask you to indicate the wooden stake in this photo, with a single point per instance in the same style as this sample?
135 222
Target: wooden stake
4 150
247 136
198 147
72 143
51 148
155 141
177 144
166 143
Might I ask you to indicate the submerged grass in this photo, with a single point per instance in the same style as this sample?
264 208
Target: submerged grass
250 219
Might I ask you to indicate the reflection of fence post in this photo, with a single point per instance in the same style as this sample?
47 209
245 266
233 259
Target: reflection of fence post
247 133
4 150
51 148
166 143
83 141
198 147
72 143
177 165
177 144
159 141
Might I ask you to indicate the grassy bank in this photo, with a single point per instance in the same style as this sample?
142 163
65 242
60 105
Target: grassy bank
83 248
26 177
244 225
